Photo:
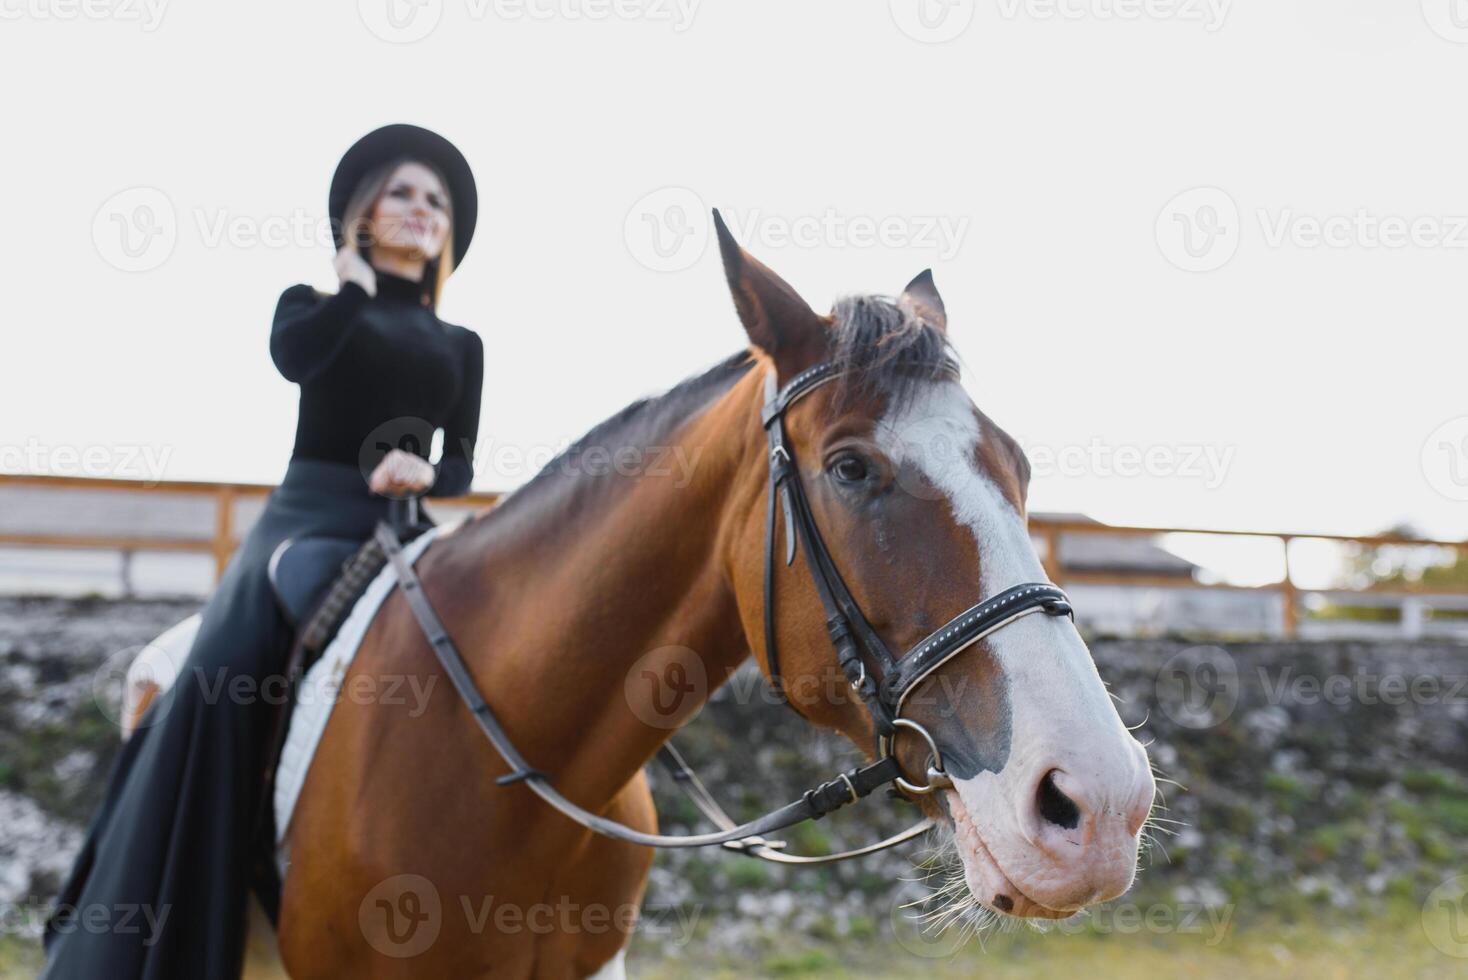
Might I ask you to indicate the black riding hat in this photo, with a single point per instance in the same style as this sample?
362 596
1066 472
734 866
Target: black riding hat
404 140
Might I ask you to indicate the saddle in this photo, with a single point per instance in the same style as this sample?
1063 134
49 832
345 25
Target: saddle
316 581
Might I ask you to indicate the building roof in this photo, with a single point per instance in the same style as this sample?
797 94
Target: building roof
1116 554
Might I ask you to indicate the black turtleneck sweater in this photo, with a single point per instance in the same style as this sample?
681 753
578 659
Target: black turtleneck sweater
380 372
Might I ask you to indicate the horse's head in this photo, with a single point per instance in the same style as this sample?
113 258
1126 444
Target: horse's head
920 499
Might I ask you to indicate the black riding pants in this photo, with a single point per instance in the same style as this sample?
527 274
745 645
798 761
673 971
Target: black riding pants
159 888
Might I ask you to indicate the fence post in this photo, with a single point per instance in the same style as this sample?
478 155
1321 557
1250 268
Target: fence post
125 572
1291 597
223 530
1414 617
1053 567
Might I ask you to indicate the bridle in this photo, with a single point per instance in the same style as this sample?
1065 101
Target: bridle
882 680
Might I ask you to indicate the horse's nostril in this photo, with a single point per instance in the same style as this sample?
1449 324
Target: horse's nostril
1055 806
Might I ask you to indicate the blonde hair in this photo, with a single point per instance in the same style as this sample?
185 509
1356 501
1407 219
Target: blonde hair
357 221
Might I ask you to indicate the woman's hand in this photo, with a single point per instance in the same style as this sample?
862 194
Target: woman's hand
401 474
351 267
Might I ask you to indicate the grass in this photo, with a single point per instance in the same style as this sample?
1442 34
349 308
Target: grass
19 957
1385 948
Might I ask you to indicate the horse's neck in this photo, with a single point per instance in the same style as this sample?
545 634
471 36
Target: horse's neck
589 597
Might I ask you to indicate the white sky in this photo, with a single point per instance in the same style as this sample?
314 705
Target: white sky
1053 144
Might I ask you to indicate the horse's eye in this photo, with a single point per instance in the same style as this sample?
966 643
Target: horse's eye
850 469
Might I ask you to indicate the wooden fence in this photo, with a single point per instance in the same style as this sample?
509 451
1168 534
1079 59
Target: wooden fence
220 540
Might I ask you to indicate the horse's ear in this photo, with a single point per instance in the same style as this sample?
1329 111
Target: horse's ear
921 296
776 319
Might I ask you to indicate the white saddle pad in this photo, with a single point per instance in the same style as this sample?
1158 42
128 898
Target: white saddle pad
320 688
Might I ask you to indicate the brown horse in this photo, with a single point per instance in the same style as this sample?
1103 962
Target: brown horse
601 604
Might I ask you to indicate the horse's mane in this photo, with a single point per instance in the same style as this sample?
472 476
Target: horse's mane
645 422
880 346
877 343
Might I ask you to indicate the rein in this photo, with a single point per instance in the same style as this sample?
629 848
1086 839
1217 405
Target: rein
882 680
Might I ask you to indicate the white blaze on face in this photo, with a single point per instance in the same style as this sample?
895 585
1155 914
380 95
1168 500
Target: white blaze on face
1062 717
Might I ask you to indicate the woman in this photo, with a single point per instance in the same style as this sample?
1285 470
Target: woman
160 886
